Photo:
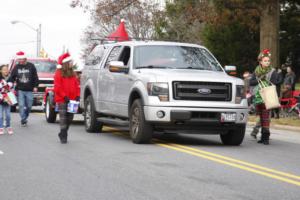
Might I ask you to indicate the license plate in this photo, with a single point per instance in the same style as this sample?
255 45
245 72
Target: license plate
228 117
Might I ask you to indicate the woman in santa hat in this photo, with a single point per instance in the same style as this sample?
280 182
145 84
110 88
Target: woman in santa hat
66 88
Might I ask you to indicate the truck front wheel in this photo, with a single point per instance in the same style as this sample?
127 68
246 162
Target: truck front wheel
234 137
140 130
90 117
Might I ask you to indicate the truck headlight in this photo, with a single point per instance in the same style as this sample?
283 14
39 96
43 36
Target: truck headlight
240 94
161 90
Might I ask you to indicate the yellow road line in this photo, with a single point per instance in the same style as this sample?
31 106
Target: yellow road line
231 164
257 169
236 161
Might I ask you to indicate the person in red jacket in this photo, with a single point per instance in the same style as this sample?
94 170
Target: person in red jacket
66 88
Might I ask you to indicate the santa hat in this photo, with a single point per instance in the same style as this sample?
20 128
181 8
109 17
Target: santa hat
64 58
20 55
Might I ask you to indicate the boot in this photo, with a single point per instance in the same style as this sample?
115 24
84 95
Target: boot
63 135
265 135
255 132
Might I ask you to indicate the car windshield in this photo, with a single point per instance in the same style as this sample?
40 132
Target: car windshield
43 66
176 57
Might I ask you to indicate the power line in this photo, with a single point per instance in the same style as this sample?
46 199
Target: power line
15 43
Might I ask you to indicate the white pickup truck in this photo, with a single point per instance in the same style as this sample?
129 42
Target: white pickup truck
162 86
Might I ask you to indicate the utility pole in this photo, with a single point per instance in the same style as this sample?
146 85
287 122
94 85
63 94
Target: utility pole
39 40
38 35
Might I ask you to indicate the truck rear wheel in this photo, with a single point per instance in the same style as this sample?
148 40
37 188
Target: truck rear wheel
50 113
234 137
140 130
90 117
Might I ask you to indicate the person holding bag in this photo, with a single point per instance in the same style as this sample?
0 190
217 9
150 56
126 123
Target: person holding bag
5 88
66 88
264 75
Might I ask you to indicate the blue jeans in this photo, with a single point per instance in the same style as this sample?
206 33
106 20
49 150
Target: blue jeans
4 114
25 100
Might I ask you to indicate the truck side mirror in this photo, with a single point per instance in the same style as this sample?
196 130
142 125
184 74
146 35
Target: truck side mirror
231 70
118 67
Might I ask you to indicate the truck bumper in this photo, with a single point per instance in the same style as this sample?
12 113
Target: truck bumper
177 118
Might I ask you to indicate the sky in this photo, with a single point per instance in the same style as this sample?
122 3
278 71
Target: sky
62 26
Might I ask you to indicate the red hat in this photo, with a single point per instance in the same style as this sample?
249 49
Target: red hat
64 58
264 53
20 55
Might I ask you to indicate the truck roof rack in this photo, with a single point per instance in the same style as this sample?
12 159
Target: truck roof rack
109 40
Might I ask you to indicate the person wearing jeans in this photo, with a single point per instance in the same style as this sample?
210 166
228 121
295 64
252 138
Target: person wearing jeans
5 115
5 88
25 76
25 100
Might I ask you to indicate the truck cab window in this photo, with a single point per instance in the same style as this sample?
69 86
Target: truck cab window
113 56
125 55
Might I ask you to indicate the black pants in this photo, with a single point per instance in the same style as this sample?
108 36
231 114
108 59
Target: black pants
65 120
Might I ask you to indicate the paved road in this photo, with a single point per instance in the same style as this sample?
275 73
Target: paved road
35 166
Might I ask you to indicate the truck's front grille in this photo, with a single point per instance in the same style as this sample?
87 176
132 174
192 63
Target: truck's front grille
46 81
201 91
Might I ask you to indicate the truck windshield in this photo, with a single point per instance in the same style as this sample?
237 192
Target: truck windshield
176 57
43 66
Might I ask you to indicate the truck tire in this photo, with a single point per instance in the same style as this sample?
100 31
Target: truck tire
140 130
50 113
90 116
234 137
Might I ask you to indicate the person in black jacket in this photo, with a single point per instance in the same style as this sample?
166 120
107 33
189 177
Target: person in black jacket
288 83
277 80
26 78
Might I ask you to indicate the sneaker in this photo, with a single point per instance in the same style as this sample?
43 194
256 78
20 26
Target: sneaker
10 130
1 131
24 123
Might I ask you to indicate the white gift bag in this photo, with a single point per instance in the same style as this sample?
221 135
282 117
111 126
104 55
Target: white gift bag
269 95
11 98
73 106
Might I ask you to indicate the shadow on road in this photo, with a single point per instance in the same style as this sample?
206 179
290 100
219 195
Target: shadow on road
184 139
187 139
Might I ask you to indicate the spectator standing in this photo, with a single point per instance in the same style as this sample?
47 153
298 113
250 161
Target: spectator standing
27 81
66 88
288 83
277 80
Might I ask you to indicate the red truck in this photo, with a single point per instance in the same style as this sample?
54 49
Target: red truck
45 68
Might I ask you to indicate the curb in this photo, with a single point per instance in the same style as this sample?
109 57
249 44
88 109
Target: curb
282 127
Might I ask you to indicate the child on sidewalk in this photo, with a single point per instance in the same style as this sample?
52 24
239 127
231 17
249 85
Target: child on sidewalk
5 87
